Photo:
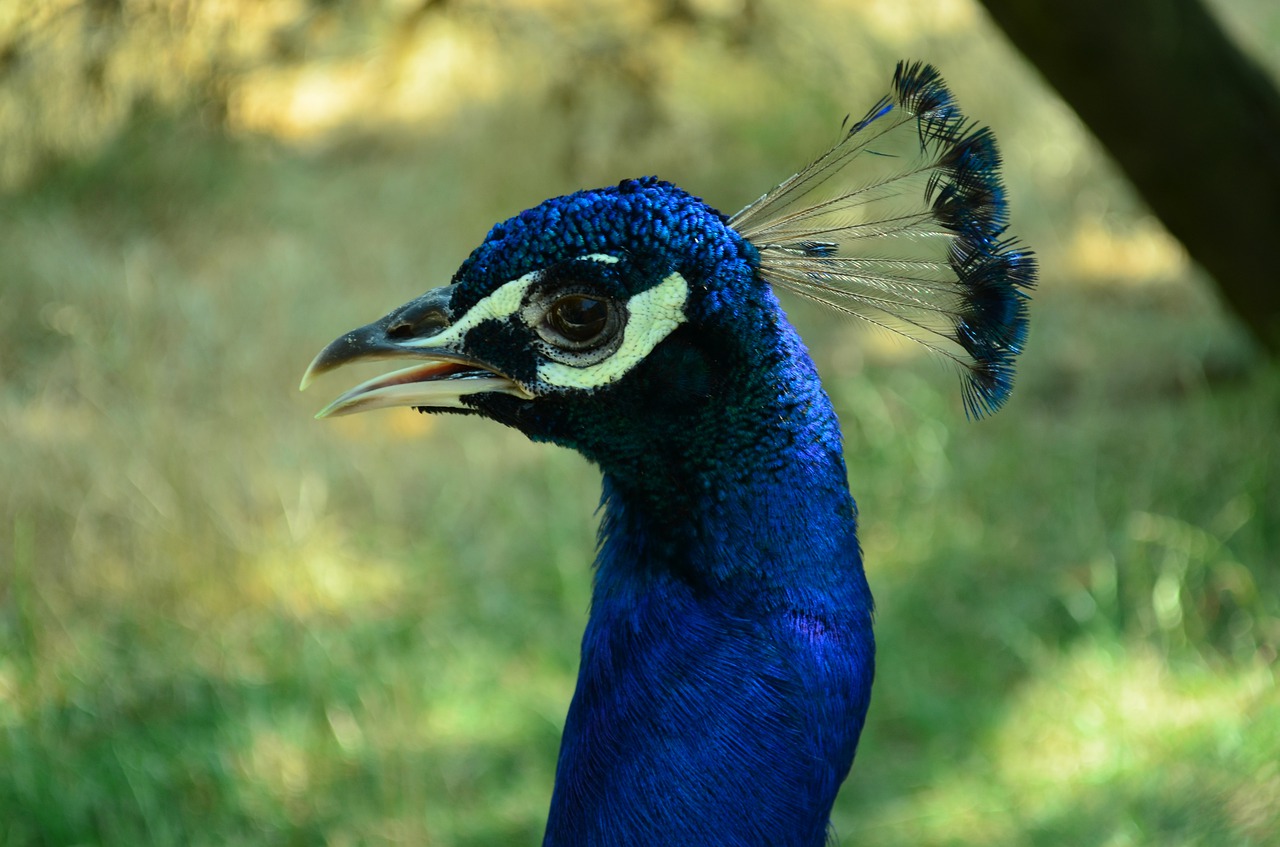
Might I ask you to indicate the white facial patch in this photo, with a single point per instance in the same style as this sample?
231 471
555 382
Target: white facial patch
502 303
651 316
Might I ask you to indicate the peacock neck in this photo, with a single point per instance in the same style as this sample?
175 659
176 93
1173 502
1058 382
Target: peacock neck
727 662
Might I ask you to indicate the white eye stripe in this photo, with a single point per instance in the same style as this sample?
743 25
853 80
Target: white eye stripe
651 317
502 303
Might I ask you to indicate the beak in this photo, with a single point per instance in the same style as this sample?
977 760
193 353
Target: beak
441 379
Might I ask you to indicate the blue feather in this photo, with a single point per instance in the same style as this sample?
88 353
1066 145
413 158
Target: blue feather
728 659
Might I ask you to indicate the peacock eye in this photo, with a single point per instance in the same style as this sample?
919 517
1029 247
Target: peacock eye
579 322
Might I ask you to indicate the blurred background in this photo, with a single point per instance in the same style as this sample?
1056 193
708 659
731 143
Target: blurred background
222 622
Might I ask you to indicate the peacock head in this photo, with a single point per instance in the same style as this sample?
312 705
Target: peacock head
606 320
633 321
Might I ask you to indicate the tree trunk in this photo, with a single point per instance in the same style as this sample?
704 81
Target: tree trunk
1192 121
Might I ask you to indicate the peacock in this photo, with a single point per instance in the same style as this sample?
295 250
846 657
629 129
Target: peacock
727 662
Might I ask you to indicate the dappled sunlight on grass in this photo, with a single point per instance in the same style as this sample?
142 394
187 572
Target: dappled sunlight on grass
1147 253
320 576
1101 715
277 765
228 623
428 76
1108 745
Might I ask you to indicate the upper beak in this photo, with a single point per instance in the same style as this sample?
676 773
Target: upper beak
442 378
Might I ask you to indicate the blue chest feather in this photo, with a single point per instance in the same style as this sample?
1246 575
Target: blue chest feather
727 665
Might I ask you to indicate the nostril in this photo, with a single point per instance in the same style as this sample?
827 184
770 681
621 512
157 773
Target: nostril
433 322
421 326
420 319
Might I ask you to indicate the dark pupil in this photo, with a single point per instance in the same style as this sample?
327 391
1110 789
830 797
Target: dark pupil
579 318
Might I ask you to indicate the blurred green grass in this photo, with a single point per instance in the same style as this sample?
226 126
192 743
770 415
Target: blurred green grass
225 623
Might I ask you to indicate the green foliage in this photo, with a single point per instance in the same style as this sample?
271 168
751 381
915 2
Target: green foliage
222 622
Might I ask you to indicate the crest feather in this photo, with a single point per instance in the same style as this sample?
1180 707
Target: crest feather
902 223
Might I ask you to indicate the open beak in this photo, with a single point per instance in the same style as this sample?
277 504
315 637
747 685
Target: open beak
442 377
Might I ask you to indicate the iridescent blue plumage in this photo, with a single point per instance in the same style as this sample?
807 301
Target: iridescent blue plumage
648 218
727 664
